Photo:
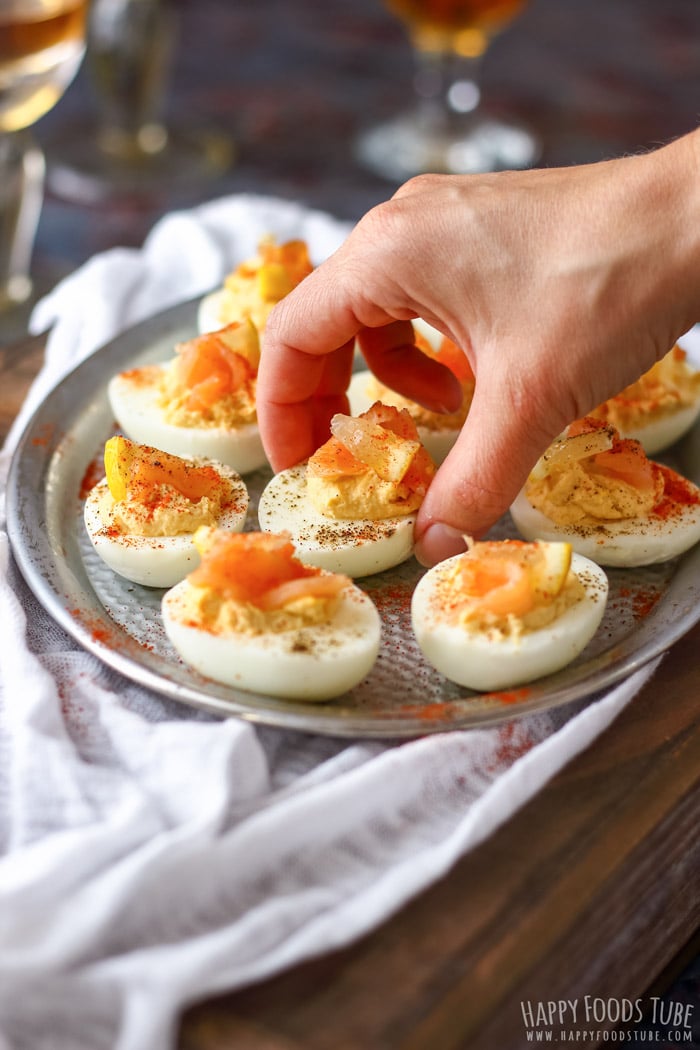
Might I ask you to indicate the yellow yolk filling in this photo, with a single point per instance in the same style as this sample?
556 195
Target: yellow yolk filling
670 384
166 511
241 298
590 476
206 608
253 583
254 287
154 493
507 590
472 617
212 380
576 497
361 496
423 417
233 410
375 468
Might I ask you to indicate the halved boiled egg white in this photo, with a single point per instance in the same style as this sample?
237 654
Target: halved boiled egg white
338 508
661 406
143 402
634 541
503 614
141 518
658 434
357 547
134 398
211 312
257 619
597 476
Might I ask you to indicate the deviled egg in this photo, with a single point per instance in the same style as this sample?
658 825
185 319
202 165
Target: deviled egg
660 407
352 507
505 613
253 616
200 403
141 518
603 495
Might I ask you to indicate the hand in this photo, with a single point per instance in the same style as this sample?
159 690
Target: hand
562 286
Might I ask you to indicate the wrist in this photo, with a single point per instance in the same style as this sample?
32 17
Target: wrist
675 206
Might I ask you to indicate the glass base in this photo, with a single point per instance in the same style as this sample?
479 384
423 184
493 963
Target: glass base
17 307
16 291
82 168
411 145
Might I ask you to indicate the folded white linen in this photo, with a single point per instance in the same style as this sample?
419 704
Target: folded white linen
152 855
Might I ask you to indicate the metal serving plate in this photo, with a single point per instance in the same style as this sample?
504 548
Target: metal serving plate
60 454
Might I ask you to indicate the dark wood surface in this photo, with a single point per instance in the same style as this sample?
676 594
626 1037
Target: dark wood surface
20 360
588 890
591 889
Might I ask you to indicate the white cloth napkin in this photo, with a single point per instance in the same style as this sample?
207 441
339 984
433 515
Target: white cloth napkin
151 855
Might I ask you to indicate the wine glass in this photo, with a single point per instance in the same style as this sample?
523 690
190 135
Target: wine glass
447 130
126 148
41 46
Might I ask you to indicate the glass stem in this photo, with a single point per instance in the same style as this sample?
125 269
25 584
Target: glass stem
130 43
21 195
447 87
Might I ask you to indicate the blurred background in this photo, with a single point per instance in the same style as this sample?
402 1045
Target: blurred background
293 82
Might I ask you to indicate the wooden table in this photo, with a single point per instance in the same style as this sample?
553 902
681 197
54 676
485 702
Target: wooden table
591 888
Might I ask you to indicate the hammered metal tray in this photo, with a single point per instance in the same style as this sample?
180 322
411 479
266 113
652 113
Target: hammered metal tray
59 457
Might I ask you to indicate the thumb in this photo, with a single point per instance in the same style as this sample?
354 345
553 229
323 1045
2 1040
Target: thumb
497 448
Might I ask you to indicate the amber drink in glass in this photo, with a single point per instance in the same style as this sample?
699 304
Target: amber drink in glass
447 129
41 47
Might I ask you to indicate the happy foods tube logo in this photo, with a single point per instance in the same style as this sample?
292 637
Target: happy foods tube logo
597 1020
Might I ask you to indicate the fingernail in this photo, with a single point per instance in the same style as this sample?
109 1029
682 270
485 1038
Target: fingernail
439 542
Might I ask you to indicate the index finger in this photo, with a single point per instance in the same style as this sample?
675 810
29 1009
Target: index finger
306 392
307 360
305 365
314 320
